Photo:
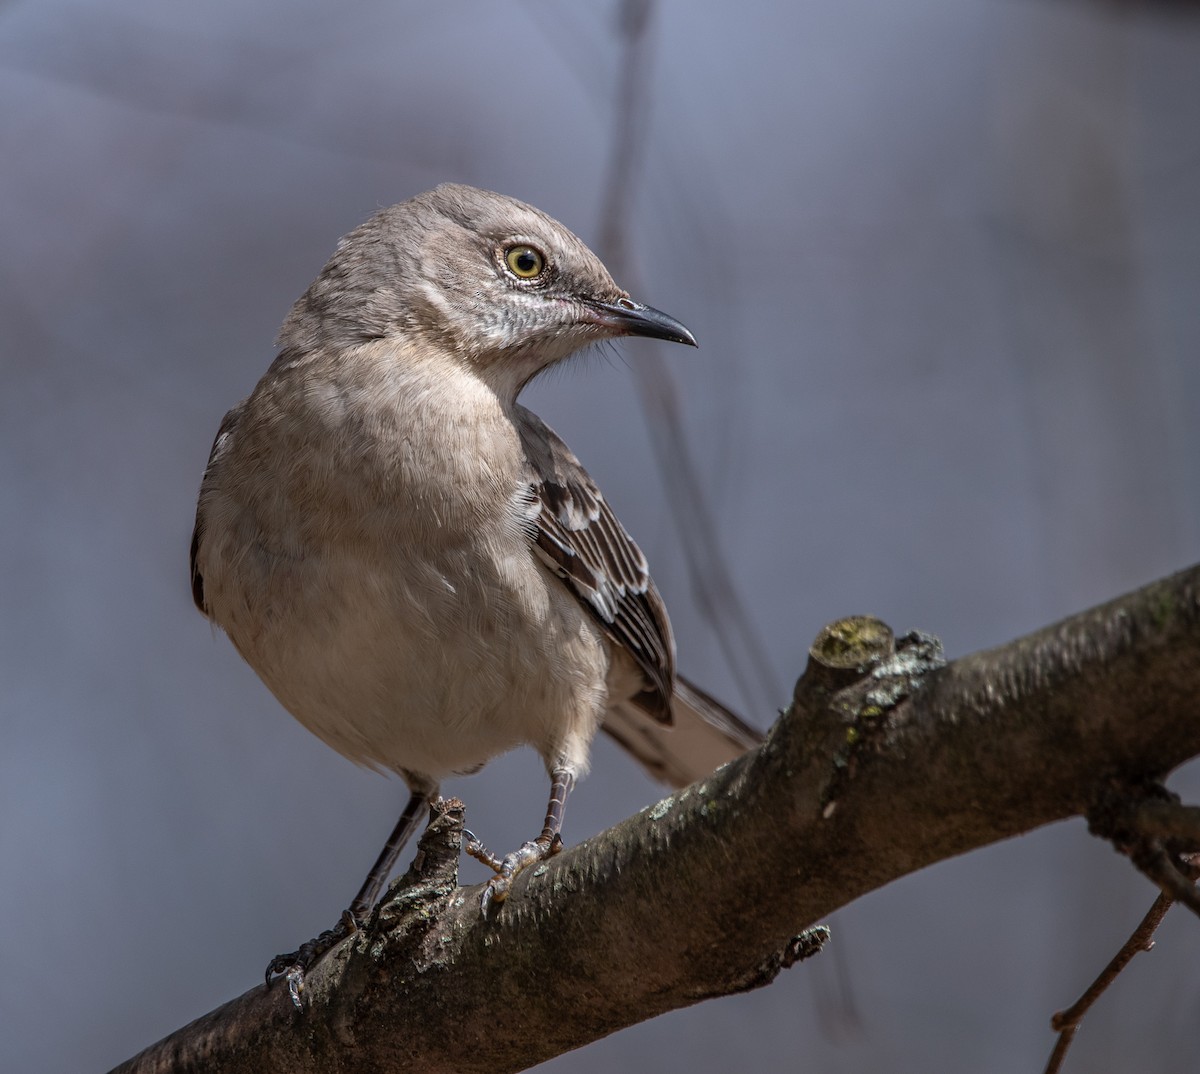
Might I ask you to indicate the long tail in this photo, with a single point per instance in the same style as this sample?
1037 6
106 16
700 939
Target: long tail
704 735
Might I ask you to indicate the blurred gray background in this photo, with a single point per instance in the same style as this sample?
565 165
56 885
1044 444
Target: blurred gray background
943 258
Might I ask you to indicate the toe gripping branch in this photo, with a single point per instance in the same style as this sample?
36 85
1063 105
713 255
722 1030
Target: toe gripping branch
546 845
436 864
293 966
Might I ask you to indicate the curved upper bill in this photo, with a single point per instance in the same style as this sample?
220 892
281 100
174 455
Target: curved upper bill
631 318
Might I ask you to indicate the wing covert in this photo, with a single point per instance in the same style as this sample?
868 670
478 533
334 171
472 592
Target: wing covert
582 541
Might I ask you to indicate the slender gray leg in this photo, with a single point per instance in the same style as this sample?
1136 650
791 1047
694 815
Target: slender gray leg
294 965
409 822
544 846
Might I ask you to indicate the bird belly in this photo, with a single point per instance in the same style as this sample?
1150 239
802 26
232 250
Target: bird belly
429 663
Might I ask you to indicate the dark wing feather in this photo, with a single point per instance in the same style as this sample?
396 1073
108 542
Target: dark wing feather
580 539
219 444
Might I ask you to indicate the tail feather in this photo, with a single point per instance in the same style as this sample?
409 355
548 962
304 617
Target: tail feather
704 735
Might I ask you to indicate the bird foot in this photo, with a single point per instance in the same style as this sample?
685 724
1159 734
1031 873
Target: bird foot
508 868
293 966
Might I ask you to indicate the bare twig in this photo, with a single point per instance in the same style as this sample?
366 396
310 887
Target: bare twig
1137 816
1149 825
1067 1022
1167 872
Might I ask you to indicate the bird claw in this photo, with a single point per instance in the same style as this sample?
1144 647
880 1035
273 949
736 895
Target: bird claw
479 852
295 983
507 869
293 966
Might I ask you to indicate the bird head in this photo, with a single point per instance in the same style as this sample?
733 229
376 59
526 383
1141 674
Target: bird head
505 286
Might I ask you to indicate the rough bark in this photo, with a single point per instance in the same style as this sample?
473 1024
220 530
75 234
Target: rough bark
888 760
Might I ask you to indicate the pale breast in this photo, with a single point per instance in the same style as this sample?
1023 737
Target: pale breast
366 552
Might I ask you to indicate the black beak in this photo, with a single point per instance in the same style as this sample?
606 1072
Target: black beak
630 318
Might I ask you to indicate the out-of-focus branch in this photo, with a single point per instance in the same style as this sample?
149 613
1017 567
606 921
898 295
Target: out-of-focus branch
708 570
886 762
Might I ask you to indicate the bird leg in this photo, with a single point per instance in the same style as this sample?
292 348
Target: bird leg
508 868
293 966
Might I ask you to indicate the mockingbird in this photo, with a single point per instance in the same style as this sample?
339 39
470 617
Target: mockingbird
416 566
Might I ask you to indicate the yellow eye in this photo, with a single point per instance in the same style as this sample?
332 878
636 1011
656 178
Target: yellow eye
525 262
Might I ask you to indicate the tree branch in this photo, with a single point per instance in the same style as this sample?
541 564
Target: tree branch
886 761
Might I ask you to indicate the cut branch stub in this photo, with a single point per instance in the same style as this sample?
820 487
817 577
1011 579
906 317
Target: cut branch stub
857 670
845 651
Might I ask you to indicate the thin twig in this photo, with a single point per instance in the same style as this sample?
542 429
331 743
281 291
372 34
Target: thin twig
1176 874
1164 869
1067 1022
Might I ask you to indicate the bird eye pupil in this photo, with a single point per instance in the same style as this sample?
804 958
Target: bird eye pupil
525 262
